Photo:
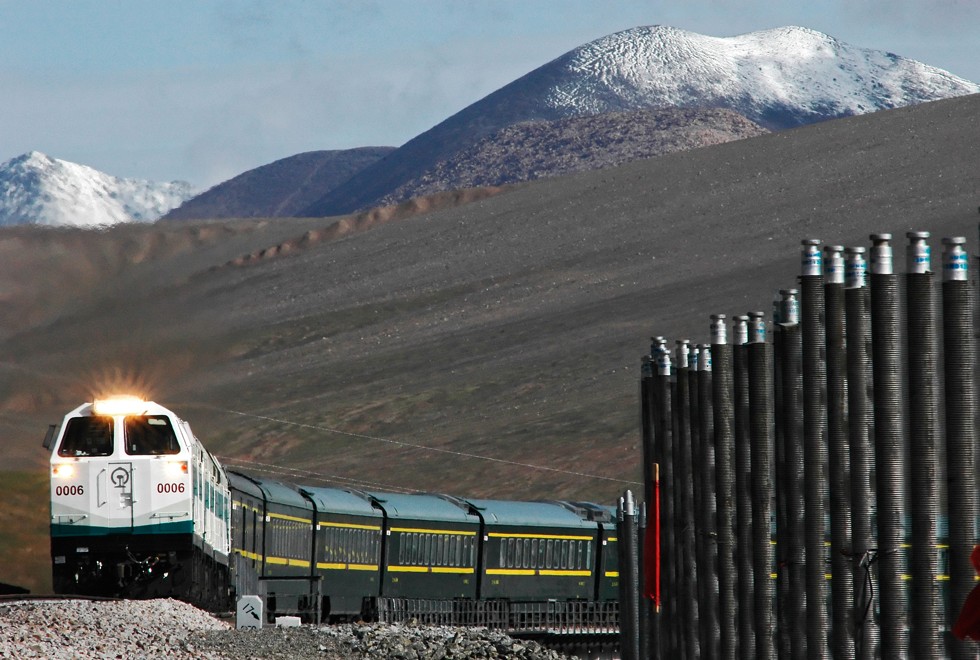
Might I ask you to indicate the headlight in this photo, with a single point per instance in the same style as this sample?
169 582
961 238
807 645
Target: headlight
123 404
63 471
175 468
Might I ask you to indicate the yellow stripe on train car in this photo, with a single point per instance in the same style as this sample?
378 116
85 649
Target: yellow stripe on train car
559 537
419 530
333 566
373 528
285 561
510 571
283 516
565 573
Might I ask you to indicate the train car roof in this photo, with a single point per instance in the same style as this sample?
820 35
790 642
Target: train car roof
533 514
245 484
273 492
336 500
422 507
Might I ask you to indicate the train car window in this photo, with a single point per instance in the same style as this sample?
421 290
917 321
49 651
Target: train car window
87 436
150 435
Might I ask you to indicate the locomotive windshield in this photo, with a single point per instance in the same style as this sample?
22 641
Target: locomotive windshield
87 436
150 434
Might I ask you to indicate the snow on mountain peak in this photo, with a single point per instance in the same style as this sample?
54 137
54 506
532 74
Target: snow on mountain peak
38 189
783 76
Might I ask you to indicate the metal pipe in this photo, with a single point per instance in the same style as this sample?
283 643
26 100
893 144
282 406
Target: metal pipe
743 490
685 480
697 475
629 583
923 384
711 645
859 424
664 432
838 445
961 432
760 407
812 321
724 413
792 479
890 448
785 307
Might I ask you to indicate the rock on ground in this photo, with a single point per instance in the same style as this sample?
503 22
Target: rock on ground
165 628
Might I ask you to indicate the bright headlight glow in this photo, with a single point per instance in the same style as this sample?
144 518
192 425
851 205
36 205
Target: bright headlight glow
123 404
175 468
63 471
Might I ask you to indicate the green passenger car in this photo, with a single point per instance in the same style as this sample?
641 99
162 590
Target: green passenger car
430 549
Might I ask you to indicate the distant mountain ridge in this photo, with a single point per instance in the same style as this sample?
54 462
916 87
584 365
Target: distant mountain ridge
283 188
779 78
38 189
540 149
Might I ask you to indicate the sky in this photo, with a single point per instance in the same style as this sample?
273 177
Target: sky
201 91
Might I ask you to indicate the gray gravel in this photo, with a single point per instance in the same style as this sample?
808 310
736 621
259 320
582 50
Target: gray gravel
172 629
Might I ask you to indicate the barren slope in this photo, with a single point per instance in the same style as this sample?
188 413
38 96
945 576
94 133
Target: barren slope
509 329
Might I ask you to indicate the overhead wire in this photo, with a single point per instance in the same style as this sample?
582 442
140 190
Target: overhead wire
410 445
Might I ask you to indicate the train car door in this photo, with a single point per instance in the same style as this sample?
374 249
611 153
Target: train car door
120 495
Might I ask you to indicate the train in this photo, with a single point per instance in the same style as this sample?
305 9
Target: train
141 509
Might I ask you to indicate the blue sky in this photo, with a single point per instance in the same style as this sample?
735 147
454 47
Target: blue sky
201 90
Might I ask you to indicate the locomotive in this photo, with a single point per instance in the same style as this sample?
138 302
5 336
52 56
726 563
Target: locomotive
139 509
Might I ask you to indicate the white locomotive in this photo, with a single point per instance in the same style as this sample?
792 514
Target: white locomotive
139 508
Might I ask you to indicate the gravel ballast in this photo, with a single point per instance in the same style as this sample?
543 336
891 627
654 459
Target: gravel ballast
168 628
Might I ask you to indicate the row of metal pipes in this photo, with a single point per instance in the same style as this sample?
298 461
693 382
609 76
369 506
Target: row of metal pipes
804 480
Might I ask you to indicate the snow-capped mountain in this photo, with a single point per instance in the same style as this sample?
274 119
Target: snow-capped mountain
779 78
38 189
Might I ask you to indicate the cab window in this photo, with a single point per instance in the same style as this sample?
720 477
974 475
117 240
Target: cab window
87 436
150 434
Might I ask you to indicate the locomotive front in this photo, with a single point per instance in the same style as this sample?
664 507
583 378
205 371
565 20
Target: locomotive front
135 511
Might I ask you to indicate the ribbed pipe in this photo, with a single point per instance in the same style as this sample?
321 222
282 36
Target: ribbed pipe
923 361
679 620
629 578
669 556
785 309
697 475
859 424
839 456
760 410
890 449
794 554
711 644
724 413
645 615
685 480
743 492
961 433
815 452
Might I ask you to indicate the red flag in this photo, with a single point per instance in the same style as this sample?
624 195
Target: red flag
968 625
651 544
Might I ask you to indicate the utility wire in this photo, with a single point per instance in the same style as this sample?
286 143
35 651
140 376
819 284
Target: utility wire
409 445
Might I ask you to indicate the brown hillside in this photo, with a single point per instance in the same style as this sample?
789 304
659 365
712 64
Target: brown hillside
490 349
